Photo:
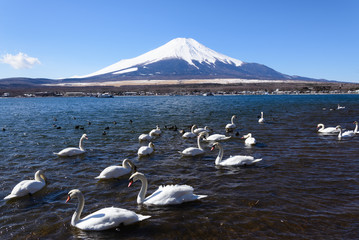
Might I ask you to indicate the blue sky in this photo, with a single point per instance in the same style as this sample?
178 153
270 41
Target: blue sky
56 39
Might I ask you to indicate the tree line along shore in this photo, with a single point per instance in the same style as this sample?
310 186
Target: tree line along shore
184 89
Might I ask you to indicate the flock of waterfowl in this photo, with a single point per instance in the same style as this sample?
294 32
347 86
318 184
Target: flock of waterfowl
112 217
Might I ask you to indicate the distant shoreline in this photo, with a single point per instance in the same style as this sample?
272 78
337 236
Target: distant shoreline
181 87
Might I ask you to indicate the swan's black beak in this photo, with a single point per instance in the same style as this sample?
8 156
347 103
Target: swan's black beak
130 183
68 198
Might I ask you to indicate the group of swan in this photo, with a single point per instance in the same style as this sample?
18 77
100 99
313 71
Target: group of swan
338 130
148 137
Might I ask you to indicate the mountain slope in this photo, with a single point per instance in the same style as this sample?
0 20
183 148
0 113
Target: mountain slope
181 58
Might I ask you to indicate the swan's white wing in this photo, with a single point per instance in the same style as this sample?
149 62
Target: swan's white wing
189 135
107 218
71 151
230 126
239 160
329 130
113 172
217 137
25 187
172 194
145 150
348 133
192 151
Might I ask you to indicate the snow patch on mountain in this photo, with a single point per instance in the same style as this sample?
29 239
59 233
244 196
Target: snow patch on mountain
186 49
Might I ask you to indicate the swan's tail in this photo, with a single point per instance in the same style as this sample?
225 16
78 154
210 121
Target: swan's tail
142 217
257 160
201 196
9 196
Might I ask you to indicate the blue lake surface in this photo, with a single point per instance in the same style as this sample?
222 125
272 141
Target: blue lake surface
306 186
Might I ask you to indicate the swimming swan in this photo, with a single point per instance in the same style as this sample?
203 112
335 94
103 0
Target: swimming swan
117 171
146 150
249 139
164 195
237 160
261 119
231 126
26 187
72 151
193 151
155 132
345 134
103 219
144 137
328 130
190 134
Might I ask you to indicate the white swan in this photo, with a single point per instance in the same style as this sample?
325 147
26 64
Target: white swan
231 126
26 187
145 137
345 134
249 139
237 160
190 134
340 107
117 171
72 151
146 150
199 130
164 195
193 151
155 132
328 130
103 219
215 137
261 120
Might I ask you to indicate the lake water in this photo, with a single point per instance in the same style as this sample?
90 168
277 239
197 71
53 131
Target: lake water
306 186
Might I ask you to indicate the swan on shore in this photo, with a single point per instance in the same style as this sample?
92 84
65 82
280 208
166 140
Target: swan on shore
117 171
195 151
328 130
237 160
103 219
249 140
73 151
164 195
146 150
231 126
190 134
26 187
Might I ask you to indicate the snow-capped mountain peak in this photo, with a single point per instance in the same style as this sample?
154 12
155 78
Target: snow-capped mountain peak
186 49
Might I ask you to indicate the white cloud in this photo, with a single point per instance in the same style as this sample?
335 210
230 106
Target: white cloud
19 61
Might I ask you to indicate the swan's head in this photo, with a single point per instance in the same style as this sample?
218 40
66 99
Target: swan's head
151 145
41 174
73 193
246 136
84 136
134 177
320 125
338 127
216 144
203 134
355 122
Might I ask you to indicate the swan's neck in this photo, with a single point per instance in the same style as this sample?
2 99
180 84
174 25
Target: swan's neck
220 155
81 146
39 177
340 134
321 126
143 191
232 119
126 164
77 214
261 114
356 128
192 128
199 142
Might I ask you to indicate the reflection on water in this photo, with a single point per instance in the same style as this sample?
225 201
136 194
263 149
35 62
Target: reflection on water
306 186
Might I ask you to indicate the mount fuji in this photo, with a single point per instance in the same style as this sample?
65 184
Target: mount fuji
182 58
